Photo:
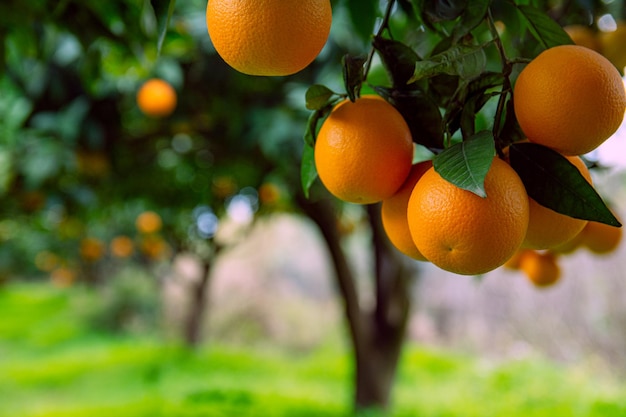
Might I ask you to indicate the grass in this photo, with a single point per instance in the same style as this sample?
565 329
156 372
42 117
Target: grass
53 365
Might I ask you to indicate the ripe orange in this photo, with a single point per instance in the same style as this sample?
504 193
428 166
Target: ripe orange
364 150
148 222
121 246
601 238
541 269
63 276
394 213
46 261
549 229
583 35
462 232
269 193
156 98
614 46
154 247
268 37
514 261
91 249
569 98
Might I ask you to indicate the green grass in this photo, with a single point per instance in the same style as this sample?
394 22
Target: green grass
53 365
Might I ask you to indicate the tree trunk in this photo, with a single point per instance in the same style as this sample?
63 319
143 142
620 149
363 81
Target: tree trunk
198 302
377 336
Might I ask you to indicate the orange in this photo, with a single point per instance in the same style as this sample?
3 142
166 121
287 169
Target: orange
268 37
463 233
91 249
46 261
148 222
154 247
549 229
269 193
569 98
121 246
584 36
156 98
514 262
570 246
394 213
364 150
541 269
601 238
614 46
63 276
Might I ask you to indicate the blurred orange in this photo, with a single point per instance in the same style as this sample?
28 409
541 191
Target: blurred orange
122 246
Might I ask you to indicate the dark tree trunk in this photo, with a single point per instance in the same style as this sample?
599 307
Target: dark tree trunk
197 306
377 336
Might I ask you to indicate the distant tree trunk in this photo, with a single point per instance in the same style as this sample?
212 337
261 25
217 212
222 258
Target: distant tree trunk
377 336
197 307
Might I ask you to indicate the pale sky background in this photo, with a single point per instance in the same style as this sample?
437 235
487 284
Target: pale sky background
612 153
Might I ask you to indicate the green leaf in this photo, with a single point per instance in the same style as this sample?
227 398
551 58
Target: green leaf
468 99
310 133
164 18
437 11
473 14
544 29
308 172
317 97
466 164
465 61
363 16
353 75
398 59
554 182
420 112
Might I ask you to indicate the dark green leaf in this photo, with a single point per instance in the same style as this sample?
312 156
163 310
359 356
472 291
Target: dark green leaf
544 29
466 61
353 75
317 97
442 10
313 123
363 16
466 164
399 59
308 172
510 132
473 14
421 114
554 182
164 19
409 8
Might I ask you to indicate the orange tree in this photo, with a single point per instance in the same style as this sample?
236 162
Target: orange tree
82 161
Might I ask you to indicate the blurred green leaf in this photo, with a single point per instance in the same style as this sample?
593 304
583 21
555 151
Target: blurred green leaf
308 171
317 97
548 32
554 182
466 164
6 170
466 61
165 23
363 15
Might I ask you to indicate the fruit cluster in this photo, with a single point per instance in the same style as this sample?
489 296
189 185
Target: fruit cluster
569 99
